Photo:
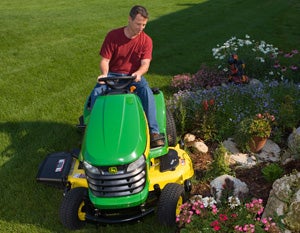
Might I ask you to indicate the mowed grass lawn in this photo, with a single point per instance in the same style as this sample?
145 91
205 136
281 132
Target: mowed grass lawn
49 63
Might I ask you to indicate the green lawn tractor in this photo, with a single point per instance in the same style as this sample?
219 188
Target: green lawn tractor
115 176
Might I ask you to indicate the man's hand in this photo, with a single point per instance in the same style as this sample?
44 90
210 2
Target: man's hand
137 76
101 76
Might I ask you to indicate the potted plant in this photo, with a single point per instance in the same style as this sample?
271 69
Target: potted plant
252 132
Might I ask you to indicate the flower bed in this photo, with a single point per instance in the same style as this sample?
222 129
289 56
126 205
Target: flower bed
204 214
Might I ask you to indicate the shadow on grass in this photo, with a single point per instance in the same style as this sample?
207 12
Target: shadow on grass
183 40
26 144
26 202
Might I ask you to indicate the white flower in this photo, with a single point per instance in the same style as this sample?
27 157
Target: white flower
226 45
248 42
208 201
233 202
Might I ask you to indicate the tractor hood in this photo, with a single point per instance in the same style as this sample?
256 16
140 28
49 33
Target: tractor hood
116 133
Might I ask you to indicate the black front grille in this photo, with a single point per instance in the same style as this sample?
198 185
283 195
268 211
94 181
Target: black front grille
122 183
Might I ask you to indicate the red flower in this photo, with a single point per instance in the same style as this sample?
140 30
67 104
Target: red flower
223 217
234 215
205 105
215 225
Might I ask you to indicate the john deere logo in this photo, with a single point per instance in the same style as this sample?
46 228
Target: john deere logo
113 170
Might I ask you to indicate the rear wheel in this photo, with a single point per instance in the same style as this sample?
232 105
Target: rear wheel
170 201
171 129
73 208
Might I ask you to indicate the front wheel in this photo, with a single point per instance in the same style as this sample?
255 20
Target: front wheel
170 201
73 209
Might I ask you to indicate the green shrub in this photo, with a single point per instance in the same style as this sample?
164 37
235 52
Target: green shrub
272 172
220 164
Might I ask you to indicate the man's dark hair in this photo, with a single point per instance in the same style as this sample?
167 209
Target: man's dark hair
138 10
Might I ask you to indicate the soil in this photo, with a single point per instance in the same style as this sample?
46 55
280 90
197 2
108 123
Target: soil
253 177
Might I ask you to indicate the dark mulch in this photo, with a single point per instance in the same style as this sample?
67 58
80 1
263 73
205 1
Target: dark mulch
253 177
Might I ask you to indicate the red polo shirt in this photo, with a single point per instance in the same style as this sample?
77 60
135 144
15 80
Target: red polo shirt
125 54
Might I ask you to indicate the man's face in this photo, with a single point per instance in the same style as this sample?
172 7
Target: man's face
138 24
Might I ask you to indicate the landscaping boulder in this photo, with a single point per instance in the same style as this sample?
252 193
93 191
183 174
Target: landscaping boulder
189 138
226 185
198 145
270 152
294 143
236 157
284 201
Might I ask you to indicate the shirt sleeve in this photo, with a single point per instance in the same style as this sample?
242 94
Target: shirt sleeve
148 48
107 47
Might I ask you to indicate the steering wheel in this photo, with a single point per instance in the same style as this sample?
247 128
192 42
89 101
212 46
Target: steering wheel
117 82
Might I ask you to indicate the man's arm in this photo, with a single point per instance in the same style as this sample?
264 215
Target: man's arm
143 69
104 67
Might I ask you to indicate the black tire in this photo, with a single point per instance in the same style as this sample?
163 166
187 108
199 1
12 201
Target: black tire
170 200
171 129
73 204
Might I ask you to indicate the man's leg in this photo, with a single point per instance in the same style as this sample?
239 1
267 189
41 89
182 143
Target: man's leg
145 94
98 90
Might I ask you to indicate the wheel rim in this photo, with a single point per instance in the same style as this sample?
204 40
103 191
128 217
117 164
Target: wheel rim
179 204
81 214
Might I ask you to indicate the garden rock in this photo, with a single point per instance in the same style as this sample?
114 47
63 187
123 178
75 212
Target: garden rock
293 151
237 158
189 138
294 143
199 146
221 184
230 145
284 201
270 152
255 82
243 160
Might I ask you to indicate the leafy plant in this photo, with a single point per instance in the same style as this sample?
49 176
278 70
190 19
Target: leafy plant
205 77
272 172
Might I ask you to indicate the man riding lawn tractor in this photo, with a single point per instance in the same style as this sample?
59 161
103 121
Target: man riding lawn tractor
129 164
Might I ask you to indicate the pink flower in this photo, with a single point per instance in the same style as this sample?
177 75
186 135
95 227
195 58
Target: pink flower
259 115
276 65
283 69
214 209
294 67
288 55
264 220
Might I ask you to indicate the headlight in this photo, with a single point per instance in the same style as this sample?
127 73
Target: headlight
136 164
91 168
